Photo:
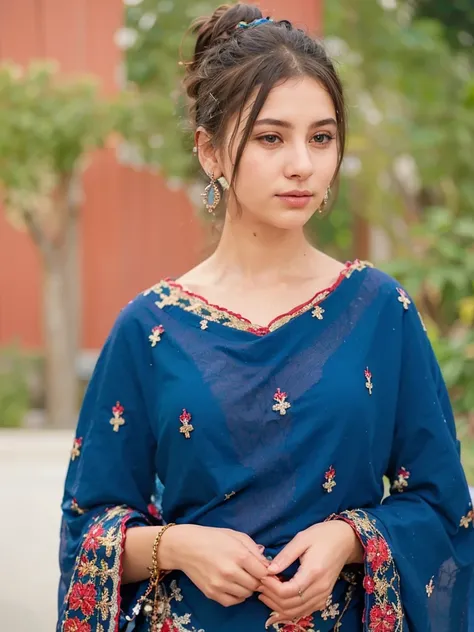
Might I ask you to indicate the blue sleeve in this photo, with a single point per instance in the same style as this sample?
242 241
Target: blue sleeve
109 483
419 543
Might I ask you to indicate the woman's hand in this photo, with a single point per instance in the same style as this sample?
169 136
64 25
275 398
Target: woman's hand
226 565
323 549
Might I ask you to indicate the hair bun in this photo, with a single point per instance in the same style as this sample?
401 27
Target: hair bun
220 26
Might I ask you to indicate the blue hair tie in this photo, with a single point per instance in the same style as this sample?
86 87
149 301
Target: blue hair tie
257 22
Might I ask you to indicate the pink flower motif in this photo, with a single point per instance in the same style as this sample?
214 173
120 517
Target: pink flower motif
76 625
280 396
118 409
91 542
382 618
305 623
159 329
404 473
185 417
83 597
368 584
377 552
368 374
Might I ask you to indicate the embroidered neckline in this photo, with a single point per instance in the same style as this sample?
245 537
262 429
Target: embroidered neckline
173 293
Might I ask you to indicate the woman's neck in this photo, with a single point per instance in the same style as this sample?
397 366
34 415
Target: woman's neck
260 253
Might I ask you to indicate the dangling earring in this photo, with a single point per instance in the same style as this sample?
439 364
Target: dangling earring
212 195
325 200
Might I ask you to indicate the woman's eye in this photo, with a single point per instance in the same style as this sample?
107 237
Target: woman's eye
323 139
270 139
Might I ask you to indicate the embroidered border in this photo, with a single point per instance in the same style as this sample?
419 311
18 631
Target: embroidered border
383 605
93 598
172 294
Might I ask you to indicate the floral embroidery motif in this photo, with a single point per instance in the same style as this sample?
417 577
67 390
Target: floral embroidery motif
402 482
381 582
186 427
76 448
331 610
467 520
166 620
303 624
76 625
368 384
403 298
318 312
75 507
172 294
117 420
330 482
383 618
281 405
204 324
430 587
156 334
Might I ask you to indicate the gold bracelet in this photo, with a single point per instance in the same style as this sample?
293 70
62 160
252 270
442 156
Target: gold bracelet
155 570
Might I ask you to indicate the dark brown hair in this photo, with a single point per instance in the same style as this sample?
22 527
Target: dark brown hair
229 63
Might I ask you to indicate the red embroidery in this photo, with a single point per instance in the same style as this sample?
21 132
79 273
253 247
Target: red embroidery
330 482
402 482
377 552
368 384
281 405
368 584
83 597
153 511
382 618
186 427
76 448
305 623
76 625
92 540
156 334
117 420
75 507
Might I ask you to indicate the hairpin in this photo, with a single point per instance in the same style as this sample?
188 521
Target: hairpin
257 22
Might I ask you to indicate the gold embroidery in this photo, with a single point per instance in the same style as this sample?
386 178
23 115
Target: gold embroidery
203 324
75 507
402 481
318 312
331 611
330 480
156 334
76 448
430 587
422 322
467 519
117 420
281 405
173 295
403 298
186 427
368 384
227 496
381 581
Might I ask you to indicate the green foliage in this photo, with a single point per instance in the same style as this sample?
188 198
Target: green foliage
14 392
457 17
48 123
154 42
409 168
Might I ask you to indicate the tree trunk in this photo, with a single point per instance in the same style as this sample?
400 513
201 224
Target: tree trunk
61 379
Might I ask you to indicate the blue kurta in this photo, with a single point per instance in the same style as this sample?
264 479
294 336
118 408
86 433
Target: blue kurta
267 431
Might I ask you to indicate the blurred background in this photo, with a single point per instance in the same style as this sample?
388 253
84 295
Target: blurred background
99 199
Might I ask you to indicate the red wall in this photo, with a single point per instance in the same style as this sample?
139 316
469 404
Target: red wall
134 230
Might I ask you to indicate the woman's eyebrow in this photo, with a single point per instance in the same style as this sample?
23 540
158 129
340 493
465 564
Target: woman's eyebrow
287 125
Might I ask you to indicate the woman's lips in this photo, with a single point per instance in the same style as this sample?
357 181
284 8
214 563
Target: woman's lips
295 201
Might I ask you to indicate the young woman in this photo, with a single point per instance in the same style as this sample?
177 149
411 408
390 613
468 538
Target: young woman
264 428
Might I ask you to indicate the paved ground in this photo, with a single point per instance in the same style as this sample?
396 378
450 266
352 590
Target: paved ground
32 470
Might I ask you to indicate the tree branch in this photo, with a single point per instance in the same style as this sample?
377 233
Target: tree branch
36 233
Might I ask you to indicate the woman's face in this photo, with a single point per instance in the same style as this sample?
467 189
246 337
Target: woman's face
291 156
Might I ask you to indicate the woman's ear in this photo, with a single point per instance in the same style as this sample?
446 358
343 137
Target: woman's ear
206 153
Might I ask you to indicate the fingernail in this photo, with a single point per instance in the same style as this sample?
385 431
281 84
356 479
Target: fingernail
273 568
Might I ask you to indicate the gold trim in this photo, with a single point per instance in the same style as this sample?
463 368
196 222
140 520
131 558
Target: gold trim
174 295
